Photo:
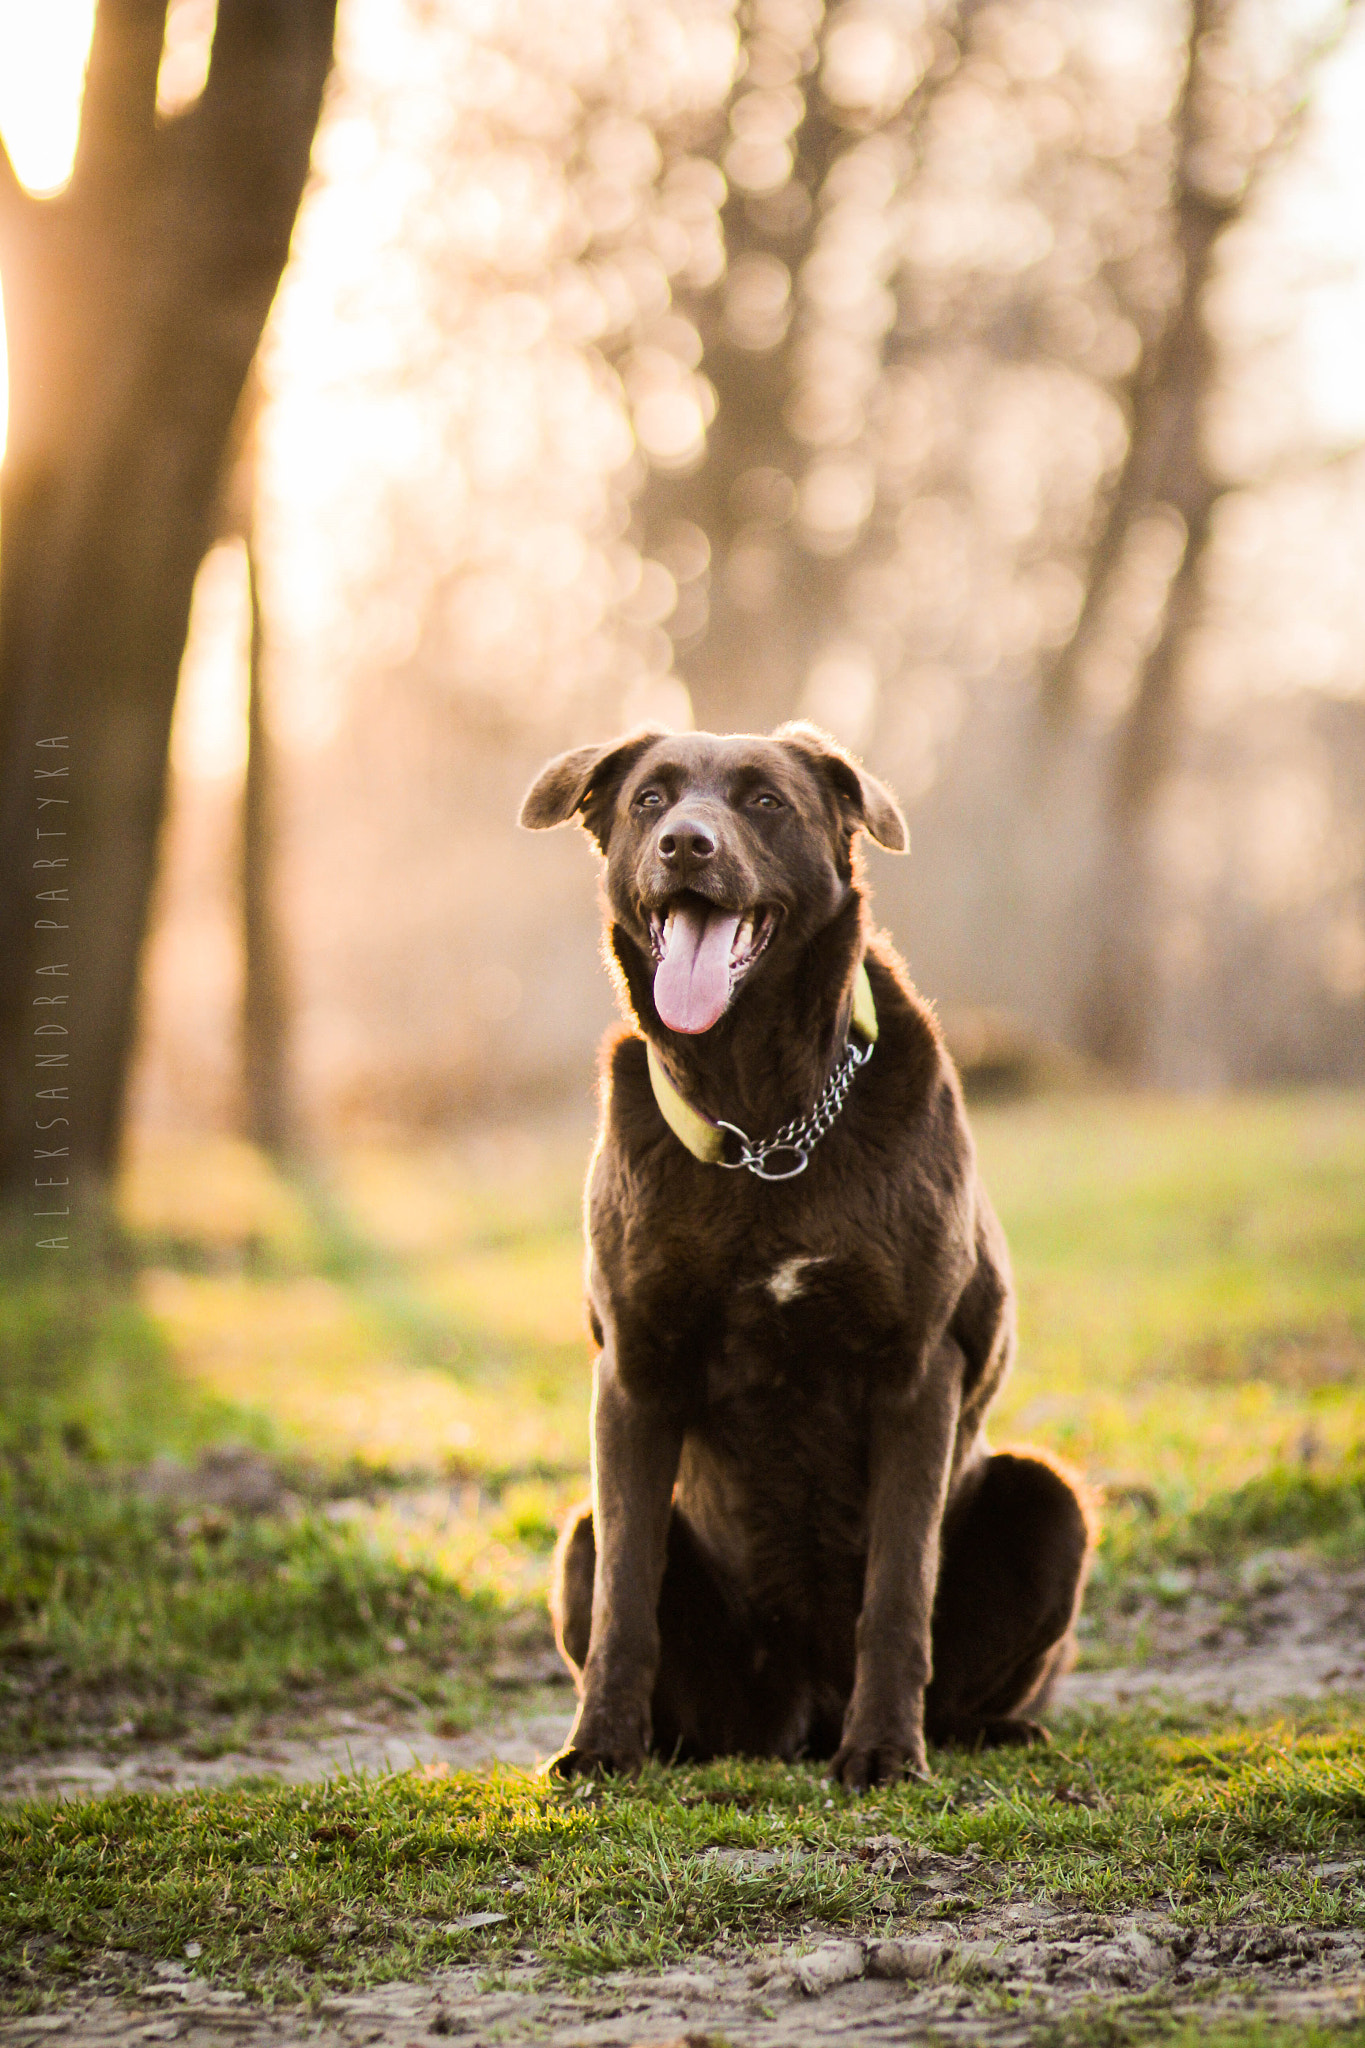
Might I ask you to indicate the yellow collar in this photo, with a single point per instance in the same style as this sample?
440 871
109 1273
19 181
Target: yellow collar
705 1140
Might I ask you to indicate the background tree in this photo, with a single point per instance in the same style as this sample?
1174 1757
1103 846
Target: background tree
791 335
1226 135
824 329
134 303
677 347
269 1114
822 314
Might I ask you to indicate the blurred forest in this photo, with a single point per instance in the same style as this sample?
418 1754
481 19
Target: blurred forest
400 391
982 381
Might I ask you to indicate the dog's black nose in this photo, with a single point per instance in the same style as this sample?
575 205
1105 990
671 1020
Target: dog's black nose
686 840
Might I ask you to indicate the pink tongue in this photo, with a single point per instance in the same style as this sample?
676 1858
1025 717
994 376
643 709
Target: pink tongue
692 981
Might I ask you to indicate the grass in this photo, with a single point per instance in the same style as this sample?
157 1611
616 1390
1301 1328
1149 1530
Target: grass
1192 1313
1192 1283
125 1605
288 1893
84 1371
1191 1277
400 1352
419 1310
1243 2033
1192 1287
332 1887
1234 2033
129 1618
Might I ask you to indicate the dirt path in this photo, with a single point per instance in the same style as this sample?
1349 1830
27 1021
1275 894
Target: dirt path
1283 1628
353 1746
994 1981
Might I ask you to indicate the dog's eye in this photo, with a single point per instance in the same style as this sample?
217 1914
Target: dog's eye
766 801
648 800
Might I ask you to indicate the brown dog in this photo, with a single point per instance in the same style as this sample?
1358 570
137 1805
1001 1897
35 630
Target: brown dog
799 1542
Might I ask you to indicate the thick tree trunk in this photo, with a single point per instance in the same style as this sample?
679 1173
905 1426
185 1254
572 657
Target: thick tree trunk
134 303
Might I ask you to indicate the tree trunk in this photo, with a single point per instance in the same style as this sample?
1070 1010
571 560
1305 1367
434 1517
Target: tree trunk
1118 999
134 303
1166 469
267 1012
771 599
1167 399
744 667
266 1067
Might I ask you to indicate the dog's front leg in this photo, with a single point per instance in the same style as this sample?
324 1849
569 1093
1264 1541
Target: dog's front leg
911 1459
635 1453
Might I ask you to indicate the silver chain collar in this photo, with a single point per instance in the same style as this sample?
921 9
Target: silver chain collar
803 1133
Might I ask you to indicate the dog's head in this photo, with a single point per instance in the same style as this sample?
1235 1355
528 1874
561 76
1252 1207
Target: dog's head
722 852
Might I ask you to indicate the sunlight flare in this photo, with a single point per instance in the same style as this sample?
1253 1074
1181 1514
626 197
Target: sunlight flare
43 51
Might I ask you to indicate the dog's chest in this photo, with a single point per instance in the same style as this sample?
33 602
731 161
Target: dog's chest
718 1289
775 1468
778 1318
794 1304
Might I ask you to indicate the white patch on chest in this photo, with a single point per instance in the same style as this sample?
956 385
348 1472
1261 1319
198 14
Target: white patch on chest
786 1281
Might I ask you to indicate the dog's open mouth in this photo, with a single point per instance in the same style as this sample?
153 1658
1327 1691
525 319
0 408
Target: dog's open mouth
704 951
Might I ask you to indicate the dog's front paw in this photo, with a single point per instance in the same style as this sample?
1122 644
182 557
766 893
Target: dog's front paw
609 1738
579 1761
860 1764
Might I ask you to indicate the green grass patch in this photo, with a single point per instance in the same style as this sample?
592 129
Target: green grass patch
123 1605
119 1613
1153 1549
285 1893
83 1370
1129 2029
1192 1288
1283 1508
1191 1278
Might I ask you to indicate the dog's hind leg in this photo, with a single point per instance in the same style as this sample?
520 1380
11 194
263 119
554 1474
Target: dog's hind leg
1015 1547
571 1588
720 1690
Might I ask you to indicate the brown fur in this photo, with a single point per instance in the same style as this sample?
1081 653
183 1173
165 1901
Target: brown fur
799 1541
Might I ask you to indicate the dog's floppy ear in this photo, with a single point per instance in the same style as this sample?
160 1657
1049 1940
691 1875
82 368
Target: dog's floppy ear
583 783
869 802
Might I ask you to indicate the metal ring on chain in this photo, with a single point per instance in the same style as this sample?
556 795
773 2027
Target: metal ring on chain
803 1133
